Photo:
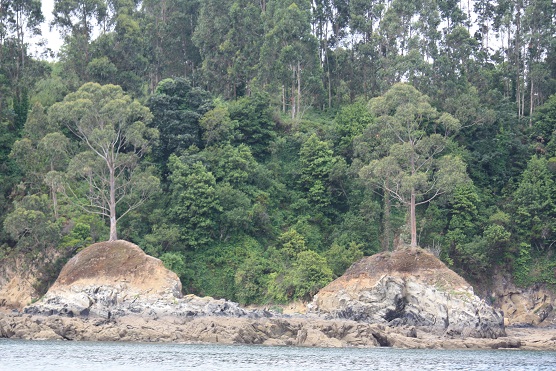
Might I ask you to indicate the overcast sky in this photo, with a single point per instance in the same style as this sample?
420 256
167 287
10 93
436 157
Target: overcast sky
52 38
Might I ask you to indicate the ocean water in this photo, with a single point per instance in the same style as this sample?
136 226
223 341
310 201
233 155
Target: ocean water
83 356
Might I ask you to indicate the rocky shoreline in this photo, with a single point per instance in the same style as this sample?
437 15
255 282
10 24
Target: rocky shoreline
270 331
404 299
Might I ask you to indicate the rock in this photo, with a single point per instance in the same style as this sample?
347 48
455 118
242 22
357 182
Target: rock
268 331
409 287
113 291
108 278
531 306
115 279
17 293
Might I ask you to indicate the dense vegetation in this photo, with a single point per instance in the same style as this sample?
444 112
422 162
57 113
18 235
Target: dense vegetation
260 147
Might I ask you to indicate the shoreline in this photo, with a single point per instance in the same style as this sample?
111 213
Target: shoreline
300 331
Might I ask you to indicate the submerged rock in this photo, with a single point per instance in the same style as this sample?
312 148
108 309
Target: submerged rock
409 287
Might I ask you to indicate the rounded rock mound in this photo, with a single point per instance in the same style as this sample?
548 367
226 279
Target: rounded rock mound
105 277
118 263
409 286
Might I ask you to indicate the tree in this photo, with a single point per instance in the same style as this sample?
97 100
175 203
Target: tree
535 204
177 109
413 171
113 130
76 19
289 55
194 201
317 160
255 124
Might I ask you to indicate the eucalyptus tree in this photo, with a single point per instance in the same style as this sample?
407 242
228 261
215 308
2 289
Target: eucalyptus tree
539 31
76 19
19 19
414 171
113 131
168 28
289 56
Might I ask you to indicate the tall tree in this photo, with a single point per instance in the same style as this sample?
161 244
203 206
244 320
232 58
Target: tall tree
289 56
114 133
177 108
414 172
76 20
169 27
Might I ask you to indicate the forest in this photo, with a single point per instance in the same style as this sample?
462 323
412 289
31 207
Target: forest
260 147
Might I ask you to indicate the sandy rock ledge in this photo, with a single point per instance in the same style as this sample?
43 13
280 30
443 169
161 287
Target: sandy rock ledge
265 331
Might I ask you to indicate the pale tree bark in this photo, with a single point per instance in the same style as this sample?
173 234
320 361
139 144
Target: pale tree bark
413 220
113 218
386 220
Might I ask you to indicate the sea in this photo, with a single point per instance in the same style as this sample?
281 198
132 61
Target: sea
83 356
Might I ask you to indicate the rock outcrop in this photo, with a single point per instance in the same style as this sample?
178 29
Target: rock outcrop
114 279
16 294
409 287
266 331
531 306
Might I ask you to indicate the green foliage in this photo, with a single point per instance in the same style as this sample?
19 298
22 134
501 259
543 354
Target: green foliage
316 160
194 201
534 202
261 184
340 258
175 262
255 123
522 266
177 108
308 273
31 224
350 122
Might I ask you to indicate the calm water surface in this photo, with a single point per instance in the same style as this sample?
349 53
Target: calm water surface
83 356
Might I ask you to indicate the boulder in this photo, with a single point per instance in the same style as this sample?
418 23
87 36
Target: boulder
409 287
114 279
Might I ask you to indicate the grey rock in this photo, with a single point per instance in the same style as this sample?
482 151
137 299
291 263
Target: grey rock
425 294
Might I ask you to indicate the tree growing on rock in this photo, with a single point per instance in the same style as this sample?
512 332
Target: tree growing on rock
113 131
414 171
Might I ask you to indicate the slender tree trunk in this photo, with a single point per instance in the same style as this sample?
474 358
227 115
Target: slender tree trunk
531 101
113 219
412 220
292 98
298 88
283 99
517 50
386 221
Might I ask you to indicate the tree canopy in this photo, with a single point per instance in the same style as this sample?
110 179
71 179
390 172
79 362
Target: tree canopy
260 147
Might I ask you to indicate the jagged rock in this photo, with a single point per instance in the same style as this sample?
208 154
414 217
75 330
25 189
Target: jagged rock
411 287
531 306
266 331
114 279
16 293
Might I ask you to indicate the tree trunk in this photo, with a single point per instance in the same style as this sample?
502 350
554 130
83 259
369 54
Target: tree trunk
113 219
412 220
283 98
386 221
531 100
298 88
292 98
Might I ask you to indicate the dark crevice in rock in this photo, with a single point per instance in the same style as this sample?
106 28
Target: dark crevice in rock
382 339
398 312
